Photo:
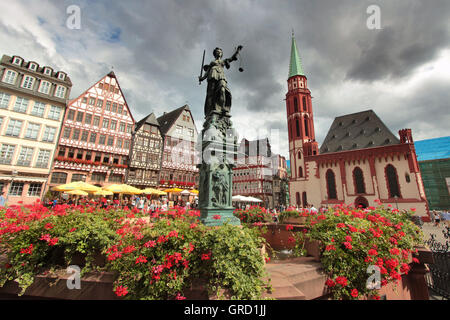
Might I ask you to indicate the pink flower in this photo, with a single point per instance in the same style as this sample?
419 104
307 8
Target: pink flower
217 216
150 244
179 297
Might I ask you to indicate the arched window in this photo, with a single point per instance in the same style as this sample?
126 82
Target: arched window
392 181
299 154
300 172
297 196
306 127
297 127
305 200
304 104
295 104
331 184
358 179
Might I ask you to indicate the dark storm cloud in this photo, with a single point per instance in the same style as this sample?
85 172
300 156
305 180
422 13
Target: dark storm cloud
156 49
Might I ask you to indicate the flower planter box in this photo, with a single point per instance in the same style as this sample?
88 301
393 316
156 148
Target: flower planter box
294 220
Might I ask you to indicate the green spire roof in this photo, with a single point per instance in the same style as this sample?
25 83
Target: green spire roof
295 65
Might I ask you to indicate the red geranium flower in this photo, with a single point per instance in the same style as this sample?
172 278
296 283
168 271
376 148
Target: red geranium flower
289 227
341 280
217 216
330 283
354 293
49 226
141 259
205 256
121 291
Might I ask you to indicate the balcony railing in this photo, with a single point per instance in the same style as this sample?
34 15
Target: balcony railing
5 160
42 165
23 163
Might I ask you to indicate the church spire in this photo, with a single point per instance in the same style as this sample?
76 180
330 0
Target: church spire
295 65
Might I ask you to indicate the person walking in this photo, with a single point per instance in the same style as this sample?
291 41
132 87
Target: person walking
437 218
2 199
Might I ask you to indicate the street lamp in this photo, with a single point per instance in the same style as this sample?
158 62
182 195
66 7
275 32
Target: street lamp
396 199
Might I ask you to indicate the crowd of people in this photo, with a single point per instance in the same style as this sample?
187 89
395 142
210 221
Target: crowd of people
441 216
130 202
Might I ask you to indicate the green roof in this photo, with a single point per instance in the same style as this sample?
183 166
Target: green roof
295 65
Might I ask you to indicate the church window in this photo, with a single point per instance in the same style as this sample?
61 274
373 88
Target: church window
331 184
392 181
358 178
304 104
306 127
297 127
295 104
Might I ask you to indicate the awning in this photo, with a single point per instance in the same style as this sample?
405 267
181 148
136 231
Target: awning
23 179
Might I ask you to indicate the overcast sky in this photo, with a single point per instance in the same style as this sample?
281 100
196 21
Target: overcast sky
401 71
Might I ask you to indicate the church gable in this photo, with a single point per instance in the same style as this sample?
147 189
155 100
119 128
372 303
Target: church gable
356 131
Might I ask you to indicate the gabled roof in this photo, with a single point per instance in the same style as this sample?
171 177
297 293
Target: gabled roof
111 75
355 131
433 149
295 64
168 119
150 119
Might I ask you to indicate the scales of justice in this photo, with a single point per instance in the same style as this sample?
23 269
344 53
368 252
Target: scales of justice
218 143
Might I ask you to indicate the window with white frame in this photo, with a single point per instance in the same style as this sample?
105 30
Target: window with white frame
16 189
54 113
38 109
61 76
25 156
48 71
179 130
60 92
43 159
4 100
32 131
21 104
10 76
14 128
35 189
49 134
17 61
44 87
6 153
33 66
28 82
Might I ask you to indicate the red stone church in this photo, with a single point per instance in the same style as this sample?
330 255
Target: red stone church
360 160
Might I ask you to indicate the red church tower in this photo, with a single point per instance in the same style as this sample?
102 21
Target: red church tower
302 141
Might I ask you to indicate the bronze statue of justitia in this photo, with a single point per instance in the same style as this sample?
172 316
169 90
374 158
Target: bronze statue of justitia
218 96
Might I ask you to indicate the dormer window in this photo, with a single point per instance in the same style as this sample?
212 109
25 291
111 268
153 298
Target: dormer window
17 61
28 82
47 71
32 66
61 76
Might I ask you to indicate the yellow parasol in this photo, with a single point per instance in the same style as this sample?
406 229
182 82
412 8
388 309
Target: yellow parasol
77 192
122 188
103 193
153 191
79 185
173 190
194 191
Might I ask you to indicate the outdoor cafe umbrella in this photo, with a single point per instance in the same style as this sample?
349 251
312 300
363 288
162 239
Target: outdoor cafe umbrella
79 185
153 191
103 193
77 192
173 190
122 189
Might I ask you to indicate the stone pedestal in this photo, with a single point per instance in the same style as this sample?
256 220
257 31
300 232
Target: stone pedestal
218 151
